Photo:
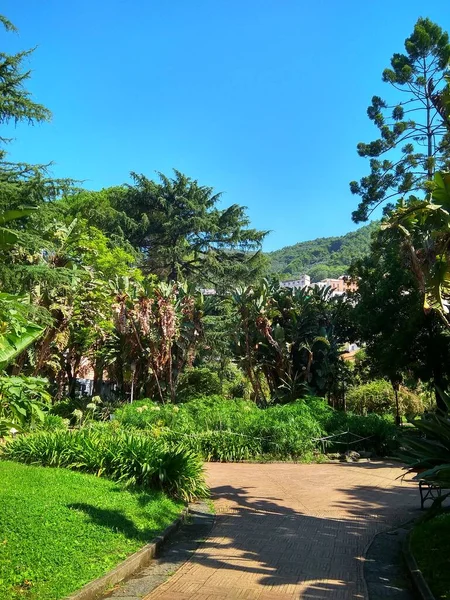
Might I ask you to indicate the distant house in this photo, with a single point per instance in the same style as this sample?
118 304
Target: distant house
338 286
298 283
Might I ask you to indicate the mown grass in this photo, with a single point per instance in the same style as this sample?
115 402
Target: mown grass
430 544
60 529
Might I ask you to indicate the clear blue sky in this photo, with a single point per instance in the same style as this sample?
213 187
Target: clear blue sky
264 100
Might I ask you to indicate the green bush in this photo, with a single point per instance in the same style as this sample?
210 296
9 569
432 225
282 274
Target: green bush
54 423
64 408
198 381
378 397
233 429
221 445
80 410
236 384
146 414
23 402
287 431
382 436
379 433
132 458
229 429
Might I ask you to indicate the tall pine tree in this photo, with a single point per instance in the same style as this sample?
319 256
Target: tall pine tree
414 142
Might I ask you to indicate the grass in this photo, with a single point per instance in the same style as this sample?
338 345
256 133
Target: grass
430 544
106 450
60 529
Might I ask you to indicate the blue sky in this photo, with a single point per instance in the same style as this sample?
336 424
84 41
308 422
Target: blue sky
264 100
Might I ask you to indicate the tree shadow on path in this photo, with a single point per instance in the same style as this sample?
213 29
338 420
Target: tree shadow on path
272 542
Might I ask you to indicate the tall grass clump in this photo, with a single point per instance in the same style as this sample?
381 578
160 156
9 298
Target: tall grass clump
221 429
229 429
132 458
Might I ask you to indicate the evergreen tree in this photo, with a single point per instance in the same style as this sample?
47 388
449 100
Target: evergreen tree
177 228
16 104
413 142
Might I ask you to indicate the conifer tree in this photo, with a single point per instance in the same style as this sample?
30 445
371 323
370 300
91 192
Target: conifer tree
414 142
16 104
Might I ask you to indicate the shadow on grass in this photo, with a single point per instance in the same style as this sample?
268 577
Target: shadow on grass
117 521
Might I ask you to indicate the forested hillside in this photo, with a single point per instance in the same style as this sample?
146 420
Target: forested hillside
322 257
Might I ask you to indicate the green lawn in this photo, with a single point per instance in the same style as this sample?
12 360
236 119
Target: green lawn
60 529
431 547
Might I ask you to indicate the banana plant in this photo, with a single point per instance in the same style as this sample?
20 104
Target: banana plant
17 332
23 401
424 226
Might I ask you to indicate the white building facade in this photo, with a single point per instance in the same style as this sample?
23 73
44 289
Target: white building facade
301 282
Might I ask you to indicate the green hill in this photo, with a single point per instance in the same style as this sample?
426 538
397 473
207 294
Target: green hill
322 257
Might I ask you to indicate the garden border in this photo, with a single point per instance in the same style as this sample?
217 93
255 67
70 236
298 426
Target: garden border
142 558
420 585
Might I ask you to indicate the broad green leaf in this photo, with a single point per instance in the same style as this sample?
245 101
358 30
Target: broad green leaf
12 345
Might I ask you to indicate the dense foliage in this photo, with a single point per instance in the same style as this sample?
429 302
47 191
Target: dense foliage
429 452
403 343
288 341
378 397
233 430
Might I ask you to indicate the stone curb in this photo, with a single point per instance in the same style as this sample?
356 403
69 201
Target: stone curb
96 588
416 575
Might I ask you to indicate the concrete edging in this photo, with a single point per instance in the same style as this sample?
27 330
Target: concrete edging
418 580
142 558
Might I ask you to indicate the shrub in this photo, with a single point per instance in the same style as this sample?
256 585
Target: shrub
379 434
146 414
236 384
380 431
234 429
54 423
223 446
81 410
23 401
131 458
198 381
287 431
229 429
378 397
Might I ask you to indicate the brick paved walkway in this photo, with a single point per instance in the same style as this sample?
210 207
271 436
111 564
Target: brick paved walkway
286 531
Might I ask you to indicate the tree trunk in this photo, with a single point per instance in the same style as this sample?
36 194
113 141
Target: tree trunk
98 377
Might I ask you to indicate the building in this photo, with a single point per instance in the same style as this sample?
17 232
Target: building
301 282
338 286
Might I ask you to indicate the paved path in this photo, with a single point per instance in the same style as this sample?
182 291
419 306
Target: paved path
286 531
